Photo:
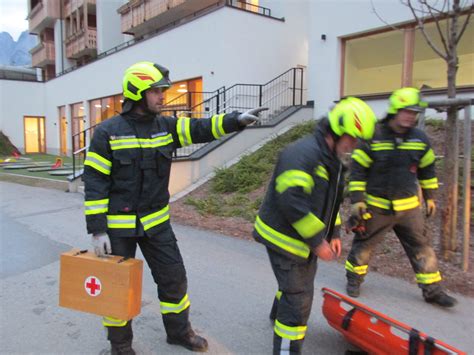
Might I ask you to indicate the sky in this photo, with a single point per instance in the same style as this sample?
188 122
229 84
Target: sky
13 17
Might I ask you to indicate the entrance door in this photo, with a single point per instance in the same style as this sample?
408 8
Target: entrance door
62 131
34 134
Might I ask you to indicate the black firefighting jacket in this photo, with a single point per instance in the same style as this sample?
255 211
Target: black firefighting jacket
386 170
127 169
302 200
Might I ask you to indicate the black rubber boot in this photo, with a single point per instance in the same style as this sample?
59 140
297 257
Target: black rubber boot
442 299
121 339
353 288
191 342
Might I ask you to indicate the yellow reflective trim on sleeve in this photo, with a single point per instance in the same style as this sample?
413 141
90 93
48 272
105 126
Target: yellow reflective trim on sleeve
338 219
429 183
287 243
278 295
293 178
428 278
308 226
427 159
291 333
357 185
322 172
168 307
359 270
98 162
113 322
96 206
121 221
183 129
217 123
362 158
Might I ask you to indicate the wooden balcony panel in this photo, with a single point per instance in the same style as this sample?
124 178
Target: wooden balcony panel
72 5
42 55
139 17
43 15
82 44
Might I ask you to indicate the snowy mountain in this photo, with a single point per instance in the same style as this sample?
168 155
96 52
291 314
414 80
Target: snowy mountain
16 53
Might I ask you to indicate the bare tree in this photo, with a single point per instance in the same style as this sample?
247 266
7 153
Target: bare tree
449 13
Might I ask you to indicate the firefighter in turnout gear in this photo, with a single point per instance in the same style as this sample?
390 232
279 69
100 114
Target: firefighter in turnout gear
386 173
126 176
296 221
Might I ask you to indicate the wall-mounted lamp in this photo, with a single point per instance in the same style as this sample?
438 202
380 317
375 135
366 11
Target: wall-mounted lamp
323 37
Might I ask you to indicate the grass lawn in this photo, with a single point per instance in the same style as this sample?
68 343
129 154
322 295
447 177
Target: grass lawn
32 158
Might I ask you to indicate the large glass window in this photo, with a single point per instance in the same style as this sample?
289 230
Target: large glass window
104 108
78 119
370 67
184 97
34 135
62 122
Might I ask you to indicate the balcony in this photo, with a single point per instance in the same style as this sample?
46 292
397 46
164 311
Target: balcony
43 15
43 54
72 5
82 44
140 17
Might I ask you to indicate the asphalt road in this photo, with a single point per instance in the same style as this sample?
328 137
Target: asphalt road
231 288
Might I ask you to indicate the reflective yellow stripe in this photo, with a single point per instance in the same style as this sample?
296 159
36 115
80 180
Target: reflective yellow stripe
183 128
121 221
168 307
357 185
405 203
378 202
293 178
308 226
381 146
289 244
153 219
113 322
429 183
96 206
412 146
398 205
362 158
359 270
217 123
98 162
427 159
128 143
338 219
428 278
287 332
278 295
322 172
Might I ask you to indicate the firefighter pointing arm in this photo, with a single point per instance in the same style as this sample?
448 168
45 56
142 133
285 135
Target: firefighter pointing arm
126 177
297 219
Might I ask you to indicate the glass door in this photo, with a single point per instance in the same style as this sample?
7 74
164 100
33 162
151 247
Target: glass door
34 132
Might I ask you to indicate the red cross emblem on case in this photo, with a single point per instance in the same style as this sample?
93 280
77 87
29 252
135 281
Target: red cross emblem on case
93 286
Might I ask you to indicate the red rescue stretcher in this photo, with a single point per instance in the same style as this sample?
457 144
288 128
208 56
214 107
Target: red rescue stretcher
376 333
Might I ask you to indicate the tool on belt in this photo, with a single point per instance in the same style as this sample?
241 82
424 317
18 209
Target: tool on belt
357 224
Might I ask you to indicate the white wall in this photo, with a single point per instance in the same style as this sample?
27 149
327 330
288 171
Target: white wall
18 99
225 47
336 19
109 31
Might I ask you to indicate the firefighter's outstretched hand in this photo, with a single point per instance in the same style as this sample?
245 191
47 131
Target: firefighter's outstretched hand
324 251
430 208
250 116
358 209
101 244
336 246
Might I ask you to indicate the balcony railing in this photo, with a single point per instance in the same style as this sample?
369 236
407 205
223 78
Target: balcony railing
82 44
141 17
42 55
72 5
43 15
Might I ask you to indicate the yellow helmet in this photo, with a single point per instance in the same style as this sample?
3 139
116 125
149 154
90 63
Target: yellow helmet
143 76
354 117
406 98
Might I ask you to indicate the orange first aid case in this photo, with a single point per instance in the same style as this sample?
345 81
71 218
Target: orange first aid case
107 286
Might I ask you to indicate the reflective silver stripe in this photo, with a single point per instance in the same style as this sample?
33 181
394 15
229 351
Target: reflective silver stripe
155 218
184 132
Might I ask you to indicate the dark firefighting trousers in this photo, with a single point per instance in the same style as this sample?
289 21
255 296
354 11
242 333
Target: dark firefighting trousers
293 301
164 259
408 227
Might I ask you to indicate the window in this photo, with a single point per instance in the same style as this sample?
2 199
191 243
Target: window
377 63
34 135
77 111
104 108
62 122
183 97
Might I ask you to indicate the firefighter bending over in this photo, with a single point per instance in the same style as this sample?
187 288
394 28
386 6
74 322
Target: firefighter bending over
296 221
126 176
